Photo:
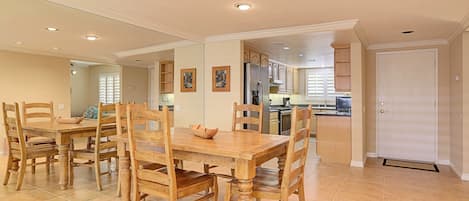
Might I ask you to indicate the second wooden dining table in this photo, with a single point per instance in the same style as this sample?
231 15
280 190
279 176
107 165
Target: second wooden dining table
242 151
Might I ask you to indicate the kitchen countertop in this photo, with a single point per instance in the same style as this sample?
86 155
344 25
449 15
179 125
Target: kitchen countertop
276 108
333 113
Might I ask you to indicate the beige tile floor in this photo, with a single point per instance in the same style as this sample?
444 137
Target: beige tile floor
324 182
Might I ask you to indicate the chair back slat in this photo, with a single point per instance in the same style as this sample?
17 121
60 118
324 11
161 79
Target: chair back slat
12 124
148 154
121 117
37 111
247 114
106 127
297 148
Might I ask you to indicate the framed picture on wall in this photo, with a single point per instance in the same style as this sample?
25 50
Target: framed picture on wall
221 79
188 80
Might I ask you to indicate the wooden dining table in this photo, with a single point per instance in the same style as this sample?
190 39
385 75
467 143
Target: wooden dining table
242 151
63 135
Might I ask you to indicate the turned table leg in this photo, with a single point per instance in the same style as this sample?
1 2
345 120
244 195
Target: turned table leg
245 171
124 172
63 163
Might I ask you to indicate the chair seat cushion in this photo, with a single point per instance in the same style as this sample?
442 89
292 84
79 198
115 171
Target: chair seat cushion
40 140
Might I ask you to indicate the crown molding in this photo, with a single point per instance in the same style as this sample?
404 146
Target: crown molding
396 45
464 26
360 32
155 48
264 33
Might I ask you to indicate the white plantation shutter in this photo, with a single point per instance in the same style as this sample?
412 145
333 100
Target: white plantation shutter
109 88
320 85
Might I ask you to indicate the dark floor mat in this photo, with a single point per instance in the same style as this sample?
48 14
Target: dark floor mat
411 165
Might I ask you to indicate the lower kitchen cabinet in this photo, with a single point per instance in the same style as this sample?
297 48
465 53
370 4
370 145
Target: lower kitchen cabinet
334 139
273 123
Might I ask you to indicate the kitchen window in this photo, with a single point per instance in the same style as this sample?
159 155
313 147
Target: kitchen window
320 86
109 88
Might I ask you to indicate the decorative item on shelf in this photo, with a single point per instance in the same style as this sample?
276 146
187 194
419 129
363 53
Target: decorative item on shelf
72 120
188 80
221 79
203 132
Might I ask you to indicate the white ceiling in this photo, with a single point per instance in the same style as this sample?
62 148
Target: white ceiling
315 48
382 21
26 21
146 60
127 25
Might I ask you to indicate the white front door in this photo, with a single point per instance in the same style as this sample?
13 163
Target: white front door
406 105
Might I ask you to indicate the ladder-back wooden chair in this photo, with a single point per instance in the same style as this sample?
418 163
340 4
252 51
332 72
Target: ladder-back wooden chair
19 151
121 124
38 112
101 150
270 184
167 182
243 117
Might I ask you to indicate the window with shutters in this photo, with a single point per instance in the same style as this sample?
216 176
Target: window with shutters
109 88
320 87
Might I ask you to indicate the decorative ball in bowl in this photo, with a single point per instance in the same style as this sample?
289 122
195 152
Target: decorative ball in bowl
203 132
72 120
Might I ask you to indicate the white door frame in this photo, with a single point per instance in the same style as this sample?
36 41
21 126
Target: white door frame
435 51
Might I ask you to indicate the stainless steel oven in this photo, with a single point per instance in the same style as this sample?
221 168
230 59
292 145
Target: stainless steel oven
285 122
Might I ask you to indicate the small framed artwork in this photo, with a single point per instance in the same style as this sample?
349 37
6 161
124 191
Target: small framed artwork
188 80
221 79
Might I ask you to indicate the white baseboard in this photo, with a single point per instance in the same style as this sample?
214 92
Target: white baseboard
465 177
359 164
443 162
372 155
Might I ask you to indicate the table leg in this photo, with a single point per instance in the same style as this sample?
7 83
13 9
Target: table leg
63 163
281 166
124 164
245 171
124 172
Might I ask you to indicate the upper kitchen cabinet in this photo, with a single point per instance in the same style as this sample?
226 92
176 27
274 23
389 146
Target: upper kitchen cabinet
290 80
342 68
264 61
166 77
282 76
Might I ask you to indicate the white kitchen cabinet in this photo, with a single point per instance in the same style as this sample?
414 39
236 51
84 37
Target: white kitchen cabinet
289 80
282 75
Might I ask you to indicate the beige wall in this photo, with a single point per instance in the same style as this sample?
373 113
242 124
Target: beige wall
443 99
189 106
456 140
465 92
134 84
79 90
218 105
358 104
33 78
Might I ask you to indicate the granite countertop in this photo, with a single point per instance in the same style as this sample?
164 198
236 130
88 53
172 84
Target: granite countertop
333 113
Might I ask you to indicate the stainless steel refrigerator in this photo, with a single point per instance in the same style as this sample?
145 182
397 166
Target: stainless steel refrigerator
256 90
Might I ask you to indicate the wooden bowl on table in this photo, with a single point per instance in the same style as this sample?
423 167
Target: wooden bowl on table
72 120
206 133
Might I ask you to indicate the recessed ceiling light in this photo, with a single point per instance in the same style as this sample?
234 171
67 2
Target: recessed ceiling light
19 43
408 32
286 48
55 48
243 6
52 29
138 60
91 37
300 55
